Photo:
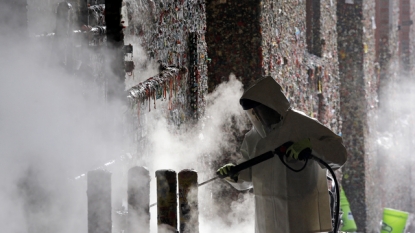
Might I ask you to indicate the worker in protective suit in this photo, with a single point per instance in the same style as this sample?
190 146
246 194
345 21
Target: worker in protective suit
286 201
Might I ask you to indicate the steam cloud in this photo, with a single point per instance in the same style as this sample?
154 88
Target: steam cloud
197 149
394 136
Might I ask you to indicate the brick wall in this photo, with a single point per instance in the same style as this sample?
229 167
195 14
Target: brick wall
233 40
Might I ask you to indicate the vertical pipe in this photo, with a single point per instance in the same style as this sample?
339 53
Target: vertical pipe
115 42
166 200
138 200
188 201
99 201
82 12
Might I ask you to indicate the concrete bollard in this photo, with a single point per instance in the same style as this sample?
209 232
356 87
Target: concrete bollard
138 219
188 201
166 201
99 201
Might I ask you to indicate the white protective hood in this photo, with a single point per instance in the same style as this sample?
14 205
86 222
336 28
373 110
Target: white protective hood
268 92
286 201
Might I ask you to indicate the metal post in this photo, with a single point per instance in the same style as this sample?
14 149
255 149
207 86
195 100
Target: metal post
99 201
166 200
138 200
188 201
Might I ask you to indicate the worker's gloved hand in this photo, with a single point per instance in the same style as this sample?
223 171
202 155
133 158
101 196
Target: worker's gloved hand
223 172
300 150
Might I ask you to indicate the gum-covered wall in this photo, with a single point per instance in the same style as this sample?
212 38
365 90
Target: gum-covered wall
168 31
309 76
256 38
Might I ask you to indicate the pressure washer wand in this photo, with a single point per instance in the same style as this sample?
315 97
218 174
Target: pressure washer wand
242 166
208 181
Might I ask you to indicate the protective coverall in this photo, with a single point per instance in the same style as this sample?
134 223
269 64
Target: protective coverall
286 201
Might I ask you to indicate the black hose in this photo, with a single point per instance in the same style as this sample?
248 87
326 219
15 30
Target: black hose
336 184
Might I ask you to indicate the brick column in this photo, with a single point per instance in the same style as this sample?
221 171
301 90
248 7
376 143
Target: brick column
353 105
382 31
358 103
